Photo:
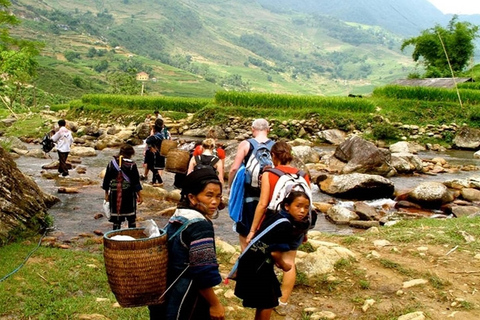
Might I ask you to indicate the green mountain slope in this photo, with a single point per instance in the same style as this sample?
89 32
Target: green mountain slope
197 47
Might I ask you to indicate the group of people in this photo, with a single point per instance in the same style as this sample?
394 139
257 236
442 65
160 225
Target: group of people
267 237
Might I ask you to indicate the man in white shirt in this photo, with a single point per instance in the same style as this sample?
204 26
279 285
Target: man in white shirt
63 139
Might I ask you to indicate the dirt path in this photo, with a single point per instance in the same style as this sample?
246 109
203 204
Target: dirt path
378 274
451 280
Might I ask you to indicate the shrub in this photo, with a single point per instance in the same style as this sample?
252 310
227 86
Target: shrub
385 131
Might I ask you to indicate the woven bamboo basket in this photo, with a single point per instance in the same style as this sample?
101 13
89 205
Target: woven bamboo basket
167 145
136 269
177 161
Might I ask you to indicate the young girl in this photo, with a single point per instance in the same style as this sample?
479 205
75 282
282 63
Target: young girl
122 187
192 261
257 283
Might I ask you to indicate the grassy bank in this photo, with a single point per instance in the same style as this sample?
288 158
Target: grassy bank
58 283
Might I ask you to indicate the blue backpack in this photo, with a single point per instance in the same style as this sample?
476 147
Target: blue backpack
260 158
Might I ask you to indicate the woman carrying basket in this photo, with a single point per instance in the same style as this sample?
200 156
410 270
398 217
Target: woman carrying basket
192 266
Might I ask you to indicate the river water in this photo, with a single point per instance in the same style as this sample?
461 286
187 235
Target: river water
75 213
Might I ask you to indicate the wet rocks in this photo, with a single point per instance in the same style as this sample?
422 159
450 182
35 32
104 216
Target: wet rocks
357 186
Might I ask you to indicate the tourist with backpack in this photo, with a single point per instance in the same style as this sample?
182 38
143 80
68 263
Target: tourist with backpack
63 139
122 188
254 155
207 158
257 283
217 151
153 161
277 183
193 269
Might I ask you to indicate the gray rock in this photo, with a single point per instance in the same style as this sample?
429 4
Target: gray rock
333 136
341 215
363 156
357 186
430 194
467 138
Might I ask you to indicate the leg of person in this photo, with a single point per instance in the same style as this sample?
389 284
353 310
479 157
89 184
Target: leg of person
144 176
243 242
288 282
59 162
62 163
248 212
178 181
117 224
156 177
132 221
263 314
161 166
149 162
159 175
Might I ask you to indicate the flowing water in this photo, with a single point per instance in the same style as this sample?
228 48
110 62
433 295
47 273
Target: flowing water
75 213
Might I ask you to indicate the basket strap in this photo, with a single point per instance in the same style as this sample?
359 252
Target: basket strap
184 270
175 281
184 226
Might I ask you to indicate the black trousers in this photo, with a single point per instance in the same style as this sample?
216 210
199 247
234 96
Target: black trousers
62 159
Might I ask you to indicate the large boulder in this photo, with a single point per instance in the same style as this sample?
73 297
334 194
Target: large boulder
404 162
357 186
363 156
306 154
23 204
333 136
430 194
467 138
323 259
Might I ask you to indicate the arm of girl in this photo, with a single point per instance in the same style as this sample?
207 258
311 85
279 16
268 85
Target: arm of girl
217 311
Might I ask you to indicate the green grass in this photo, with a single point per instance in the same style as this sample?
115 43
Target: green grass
59 284
445 232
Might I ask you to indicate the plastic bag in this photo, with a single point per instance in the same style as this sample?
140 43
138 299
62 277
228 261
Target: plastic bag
106 209
151 229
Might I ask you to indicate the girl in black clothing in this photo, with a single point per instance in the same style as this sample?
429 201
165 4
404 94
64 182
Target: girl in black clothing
122 188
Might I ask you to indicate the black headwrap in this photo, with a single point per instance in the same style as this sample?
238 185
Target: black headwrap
195 181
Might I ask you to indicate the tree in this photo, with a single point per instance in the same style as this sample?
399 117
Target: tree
17 59
433 46
101 66
71 56
124 82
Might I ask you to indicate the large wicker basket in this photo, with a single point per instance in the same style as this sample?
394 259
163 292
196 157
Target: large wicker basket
177 161
167 145
136 269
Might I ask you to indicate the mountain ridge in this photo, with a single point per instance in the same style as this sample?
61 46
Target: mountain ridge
211 45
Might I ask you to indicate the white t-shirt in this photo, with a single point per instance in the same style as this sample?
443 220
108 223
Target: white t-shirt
63 138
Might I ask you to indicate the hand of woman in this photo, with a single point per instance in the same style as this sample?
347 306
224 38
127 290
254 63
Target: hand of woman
250 236
217 312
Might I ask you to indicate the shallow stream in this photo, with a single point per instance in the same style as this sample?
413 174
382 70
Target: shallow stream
75 213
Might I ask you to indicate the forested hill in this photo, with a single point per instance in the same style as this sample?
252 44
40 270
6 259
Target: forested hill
407 17
197 47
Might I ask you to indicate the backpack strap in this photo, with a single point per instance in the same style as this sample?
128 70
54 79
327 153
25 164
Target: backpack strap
280 173
252 242
214 161
198 159
115 164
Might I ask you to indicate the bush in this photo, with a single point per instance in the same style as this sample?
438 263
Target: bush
385 131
